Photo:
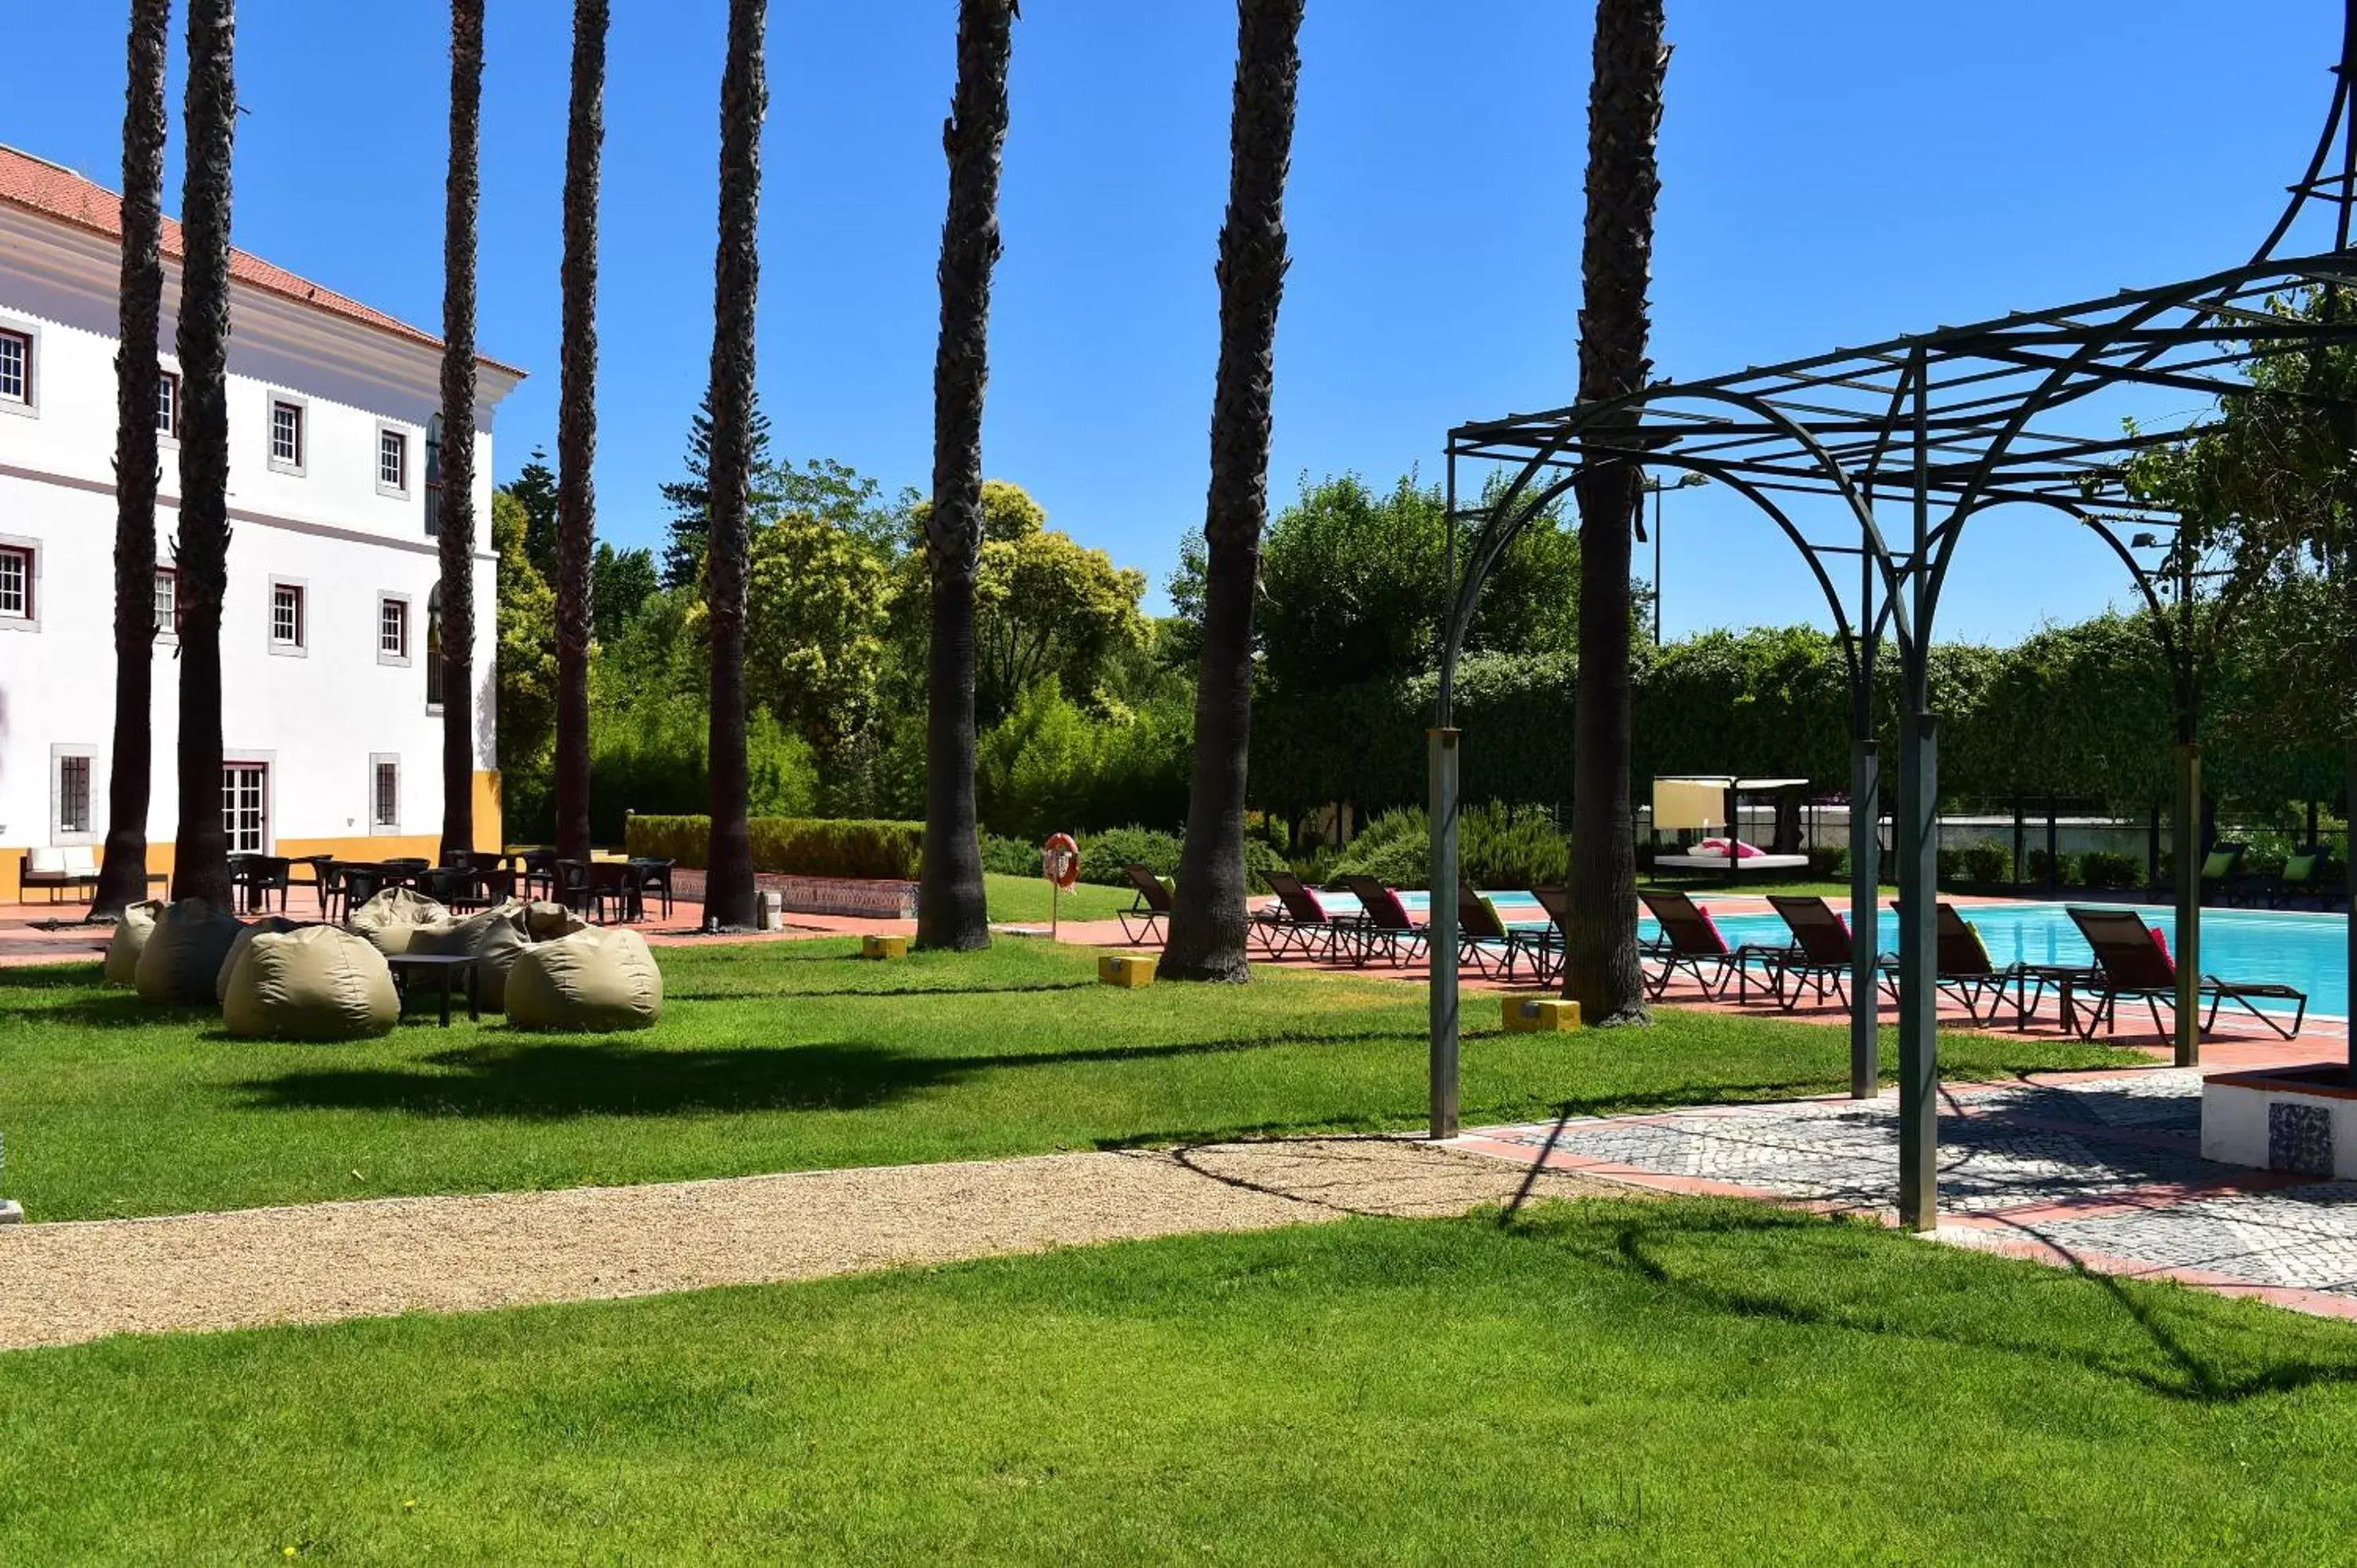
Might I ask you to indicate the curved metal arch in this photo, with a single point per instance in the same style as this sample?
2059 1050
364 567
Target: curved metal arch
2335 123
1494 537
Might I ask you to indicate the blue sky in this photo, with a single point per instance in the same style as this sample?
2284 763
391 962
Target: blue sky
1835 171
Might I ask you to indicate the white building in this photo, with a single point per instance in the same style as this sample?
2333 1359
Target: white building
330 722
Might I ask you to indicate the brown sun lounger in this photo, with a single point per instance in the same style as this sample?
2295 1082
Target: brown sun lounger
2133 966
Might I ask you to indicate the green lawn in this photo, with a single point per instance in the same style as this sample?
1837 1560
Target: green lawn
1610 1381
799 1055
1023 900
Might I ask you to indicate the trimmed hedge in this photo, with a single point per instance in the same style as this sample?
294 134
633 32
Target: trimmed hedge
797 846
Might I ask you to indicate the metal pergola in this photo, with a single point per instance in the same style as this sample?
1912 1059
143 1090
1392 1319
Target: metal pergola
1871 461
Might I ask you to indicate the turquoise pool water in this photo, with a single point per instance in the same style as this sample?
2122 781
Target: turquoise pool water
2306 950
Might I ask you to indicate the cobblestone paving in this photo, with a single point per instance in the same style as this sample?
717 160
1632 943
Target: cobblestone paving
2125 1150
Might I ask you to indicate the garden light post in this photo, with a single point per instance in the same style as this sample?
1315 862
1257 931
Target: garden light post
1654 487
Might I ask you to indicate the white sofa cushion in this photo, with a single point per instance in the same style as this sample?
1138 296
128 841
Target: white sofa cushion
48 862
81 860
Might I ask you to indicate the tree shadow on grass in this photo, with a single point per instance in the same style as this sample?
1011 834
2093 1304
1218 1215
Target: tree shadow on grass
547 1080
1705 1256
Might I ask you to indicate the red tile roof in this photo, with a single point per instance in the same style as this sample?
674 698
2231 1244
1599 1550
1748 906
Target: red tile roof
38 185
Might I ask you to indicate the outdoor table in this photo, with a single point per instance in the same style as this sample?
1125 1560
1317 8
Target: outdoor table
444 967
318 864
2064 978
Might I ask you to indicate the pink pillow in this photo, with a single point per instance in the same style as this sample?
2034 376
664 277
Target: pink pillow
1718 847
1716 935
2160 941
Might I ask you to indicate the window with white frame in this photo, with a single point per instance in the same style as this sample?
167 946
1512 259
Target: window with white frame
73 795
393 461
17 578
384 793
286 434
167 405
287 616
16 367
393 629
167 601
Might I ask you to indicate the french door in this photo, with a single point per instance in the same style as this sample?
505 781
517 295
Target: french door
245 797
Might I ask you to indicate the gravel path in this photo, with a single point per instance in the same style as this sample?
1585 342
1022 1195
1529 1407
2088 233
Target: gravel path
61 1283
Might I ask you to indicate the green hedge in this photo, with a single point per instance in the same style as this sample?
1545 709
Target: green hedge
799 846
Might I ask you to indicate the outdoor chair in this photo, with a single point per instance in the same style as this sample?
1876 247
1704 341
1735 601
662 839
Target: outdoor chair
2224 877
2132 965
1968 973
317 865
2303 881
74 867
614 880
1299 923
1691 942
570 887
650 876
1556 940
455 888
1490 945
1142 923
1386 926
1822 955
357 882
265 875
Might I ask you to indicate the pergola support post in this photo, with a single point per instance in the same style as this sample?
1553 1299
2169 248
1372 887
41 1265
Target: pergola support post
2348 869
1441 930
1919 1047
2185 830
1865 900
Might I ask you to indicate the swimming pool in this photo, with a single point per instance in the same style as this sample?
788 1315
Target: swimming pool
2306 950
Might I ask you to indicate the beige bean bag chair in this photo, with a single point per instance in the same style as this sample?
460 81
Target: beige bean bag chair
388 919
184 953
268 923
131 933
544 922
594 980
494 940
315 983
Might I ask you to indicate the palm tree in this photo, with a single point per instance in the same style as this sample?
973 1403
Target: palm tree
1624 121
744 100
122 876
577 428
201 854
1207 918
463 197
952 904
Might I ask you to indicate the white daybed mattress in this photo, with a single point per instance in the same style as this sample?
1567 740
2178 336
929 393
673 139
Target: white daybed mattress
1720 862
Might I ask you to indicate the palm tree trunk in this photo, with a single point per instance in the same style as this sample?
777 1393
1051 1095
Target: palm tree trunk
201 863
952 904
577 428
1624 118
123 875
1207 918
744 100
463 198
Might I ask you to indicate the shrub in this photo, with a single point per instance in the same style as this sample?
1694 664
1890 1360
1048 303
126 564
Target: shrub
1105 857
1496 846
2108 868
1987 860
1009 857
799 846
2066 873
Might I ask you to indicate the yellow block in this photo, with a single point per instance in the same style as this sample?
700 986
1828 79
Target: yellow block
1126 969
883 947
1540 1015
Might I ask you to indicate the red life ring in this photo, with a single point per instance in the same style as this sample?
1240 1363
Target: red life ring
1059 861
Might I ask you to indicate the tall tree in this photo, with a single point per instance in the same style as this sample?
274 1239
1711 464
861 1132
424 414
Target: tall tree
690 496
462 198
122 876
952 904
1624 122
1206 919
576 429
200 852
729 894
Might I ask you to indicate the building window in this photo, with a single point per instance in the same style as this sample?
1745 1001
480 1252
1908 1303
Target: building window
74 795
17 368
391 629
286 436
434 649
15 583
384 794
167 405
434 475
393 461
286 628
246 806
167 601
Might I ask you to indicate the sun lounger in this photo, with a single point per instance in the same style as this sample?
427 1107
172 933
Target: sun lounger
2302 881
1823 954
1691 942
1968 973
1142 923
1490 945
1386 928
1299 923
2132 965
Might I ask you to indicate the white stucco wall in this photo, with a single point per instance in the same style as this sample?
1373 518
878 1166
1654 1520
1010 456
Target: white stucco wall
317 718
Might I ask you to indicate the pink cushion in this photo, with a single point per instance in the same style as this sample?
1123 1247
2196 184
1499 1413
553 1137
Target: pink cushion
1716 935
1718 847
2160 941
